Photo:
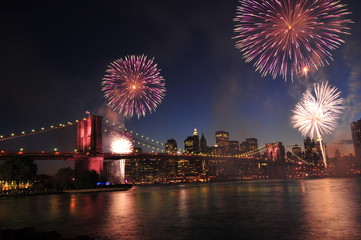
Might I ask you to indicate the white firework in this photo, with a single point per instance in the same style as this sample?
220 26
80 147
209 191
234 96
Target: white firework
318 112
122 144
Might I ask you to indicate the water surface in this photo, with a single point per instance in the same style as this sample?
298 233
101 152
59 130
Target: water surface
279 209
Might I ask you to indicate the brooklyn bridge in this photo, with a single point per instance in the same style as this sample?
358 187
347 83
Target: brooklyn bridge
88 154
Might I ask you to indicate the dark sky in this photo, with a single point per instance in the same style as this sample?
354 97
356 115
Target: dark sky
54 55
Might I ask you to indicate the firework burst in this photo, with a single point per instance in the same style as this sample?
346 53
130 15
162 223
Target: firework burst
133 86
289 37
317 112
122 143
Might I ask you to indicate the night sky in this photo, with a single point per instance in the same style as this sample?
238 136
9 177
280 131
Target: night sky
54 55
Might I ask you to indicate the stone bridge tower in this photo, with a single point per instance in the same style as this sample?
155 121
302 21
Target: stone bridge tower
89 145
275 155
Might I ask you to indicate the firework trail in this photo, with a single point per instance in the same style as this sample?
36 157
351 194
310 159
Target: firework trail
289 37
133 85
317 112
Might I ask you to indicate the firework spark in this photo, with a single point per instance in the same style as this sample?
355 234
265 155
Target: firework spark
133 85
122 144
289 37
318 111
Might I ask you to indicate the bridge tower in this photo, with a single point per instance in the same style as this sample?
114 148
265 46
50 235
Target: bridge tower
276 158
89 145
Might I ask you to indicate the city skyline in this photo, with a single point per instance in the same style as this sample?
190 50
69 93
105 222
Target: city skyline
206 119
54 63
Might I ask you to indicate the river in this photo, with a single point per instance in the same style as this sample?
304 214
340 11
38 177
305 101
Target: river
326 208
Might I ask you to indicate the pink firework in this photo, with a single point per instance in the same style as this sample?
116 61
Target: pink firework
133 85
289 37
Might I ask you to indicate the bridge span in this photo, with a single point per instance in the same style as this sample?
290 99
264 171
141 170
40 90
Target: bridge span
71 156
89 155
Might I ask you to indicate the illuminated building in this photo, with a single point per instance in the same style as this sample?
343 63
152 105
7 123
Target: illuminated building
150 171
309 144
171 164
196 141
243 147
214 150
252 145
234 147
222 141
356 138
171 168
191 144
171 146
296 150
204 148
311 153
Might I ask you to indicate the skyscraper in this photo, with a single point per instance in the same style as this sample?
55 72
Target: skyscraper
356 138
204 147
234 147
252 145
313 151
171 146
191 144
309 145
171 164
222 141
243 148
196 141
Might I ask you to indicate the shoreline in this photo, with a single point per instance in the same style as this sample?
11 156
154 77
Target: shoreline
89 190
19 193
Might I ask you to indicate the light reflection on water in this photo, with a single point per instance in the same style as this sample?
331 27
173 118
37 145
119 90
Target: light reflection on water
334 214
279 209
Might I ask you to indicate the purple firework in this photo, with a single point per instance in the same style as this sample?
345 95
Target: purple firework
133 85
289 37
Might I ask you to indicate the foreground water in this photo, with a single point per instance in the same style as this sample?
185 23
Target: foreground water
279 209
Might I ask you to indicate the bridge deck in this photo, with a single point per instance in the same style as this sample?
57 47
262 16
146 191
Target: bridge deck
71 156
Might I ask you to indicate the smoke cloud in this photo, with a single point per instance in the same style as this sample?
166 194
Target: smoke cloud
352 101
113 117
